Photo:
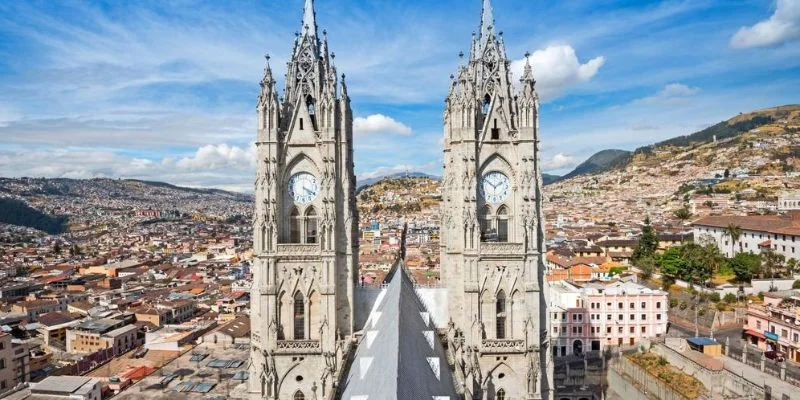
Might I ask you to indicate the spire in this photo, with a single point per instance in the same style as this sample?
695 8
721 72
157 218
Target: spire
487 20
527 75
267 72
309 19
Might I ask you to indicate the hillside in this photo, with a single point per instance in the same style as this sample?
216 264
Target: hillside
371 181
755 157
16 212
400 196
599 162
87 202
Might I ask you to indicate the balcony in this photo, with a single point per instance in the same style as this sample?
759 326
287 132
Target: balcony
503 346
298 249
299 347
501 249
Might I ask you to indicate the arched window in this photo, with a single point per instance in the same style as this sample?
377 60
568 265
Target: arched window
502 224
298 395
294 226
486 223
486 102
311 226
500 308
299 318
263 238
310 105
501 395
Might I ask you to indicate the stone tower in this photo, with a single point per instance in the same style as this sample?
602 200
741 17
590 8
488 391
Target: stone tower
492 226
305 226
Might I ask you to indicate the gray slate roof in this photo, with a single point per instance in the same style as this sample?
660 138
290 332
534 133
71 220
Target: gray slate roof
400 355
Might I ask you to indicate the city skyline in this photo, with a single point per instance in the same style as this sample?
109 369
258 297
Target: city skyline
165 92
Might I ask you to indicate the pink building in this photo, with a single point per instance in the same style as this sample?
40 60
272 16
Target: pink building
592 316
775 325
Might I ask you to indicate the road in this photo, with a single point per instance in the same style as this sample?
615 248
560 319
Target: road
736 342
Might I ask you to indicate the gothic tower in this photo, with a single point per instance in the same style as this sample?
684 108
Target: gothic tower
305 226
492 226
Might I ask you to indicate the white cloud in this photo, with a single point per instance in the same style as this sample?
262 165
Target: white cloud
559 161
379 124
672 94
558 68
222 166
219 156
782 26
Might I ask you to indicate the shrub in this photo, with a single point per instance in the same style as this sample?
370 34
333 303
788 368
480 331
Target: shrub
673 302
683 305
714 297
796 284
662 361
730 298
701 311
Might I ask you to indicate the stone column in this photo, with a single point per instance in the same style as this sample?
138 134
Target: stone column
727 344
763 362
744 354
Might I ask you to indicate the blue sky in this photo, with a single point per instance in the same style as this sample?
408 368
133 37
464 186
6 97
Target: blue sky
166 90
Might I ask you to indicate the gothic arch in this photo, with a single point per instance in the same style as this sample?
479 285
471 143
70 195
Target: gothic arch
496 162
296 165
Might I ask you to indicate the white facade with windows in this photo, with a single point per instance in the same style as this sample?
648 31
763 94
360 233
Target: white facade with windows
781 233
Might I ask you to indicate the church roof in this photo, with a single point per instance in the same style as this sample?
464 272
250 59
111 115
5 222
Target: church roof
399 356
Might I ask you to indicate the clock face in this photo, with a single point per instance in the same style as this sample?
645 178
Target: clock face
495 187
303 188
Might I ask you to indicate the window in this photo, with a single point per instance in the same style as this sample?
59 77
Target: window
633 317
2 363
658 317
619 330
299 319
608 317
620 317
644 317
486 101
633 329
658 305
495 131
574 317
298 395
500 308
502 224
608 330
311 226
301 124
294 226
619 305
644 305
644 330
501 395
633 305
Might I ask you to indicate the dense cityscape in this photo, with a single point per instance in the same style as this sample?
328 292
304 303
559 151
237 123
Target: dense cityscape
667 271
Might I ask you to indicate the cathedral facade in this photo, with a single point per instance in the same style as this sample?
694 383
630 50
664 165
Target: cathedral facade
492 232
305 225
305 344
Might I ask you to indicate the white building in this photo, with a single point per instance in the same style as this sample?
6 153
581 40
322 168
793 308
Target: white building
781 233
789 201
68 388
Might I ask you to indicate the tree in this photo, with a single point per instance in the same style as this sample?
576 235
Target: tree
57 248
771 261
672 263
683 214
735 233
647 265
648 243
791 266
745 266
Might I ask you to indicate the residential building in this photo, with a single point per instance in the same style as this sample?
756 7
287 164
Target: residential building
773 325
781 233
33 308
596 315
67 388
789 201
8 377
93 335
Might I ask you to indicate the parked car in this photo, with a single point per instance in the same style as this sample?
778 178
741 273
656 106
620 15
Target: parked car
775 355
